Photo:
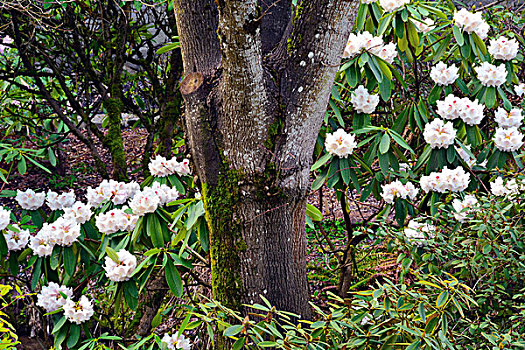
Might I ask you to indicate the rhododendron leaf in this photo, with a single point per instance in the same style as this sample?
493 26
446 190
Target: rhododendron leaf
384 145
361 16
352 77
490 97
154 230
385 88
74 335
413 35
3 245
131 294
314 213
37 271
321 161
435 94
112 254
319 181
173 279
344 166
22 166
384 163
458 35
372 63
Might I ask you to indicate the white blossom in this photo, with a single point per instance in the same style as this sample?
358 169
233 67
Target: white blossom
363 101
117 192
386 52
145 201
120 271
30 200
79 212
453 180
503 48
5 218
417 233
393 5
450 107
471 23
491 75
465 156
507 188
63 231
176 341
461 207
439 134
471 112
510 119
78 312
16 238
340 143
57 201
362 41
7 40
116 220
398 189
520 89
508 139
424 26
50 298
42 243
444 75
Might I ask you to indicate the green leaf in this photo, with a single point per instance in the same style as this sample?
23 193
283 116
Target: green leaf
490 97
233 330
74 335
173 279
422 313
168 47
154 230
442 299
70 260
3 245
344 166
321 161
22 166
435 94
337 112
112 254
314 213
384 146
131 294
458 35
239 343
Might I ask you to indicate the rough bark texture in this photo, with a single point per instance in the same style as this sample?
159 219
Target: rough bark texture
255 92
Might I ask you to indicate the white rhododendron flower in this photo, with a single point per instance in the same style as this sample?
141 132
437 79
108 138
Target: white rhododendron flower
43 242
503 48
461 206
450 107
471 112
78 312
30 200
363 101
508 139
183 168
368 1
116 220
7 40
471 23
386 52
120 271
417 232
520 89
491 75
79 212
424 26
161 167
50 298
145 201
507 188
439 134
465 156
165 193
176 341
5 218
117 192
16 238
57 201
397 189
393 5
64 232
340 143
510 119
444 75
453 180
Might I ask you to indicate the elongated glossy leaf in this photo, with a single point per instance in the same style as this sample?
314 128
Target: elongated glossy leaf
173 279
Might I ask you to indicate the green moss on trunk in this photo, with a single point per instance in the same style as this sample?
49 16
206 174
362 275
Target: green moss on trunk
226 241
114 139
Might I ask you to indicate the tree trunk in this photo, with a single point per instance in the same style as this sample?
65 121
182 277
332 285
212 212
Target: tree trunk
254 107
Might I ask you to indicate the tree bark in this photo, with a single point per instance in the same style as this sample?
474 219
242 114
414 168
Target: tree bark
254 107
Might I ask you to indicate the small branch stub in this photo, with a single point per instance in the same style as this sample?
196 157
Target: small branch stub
191 83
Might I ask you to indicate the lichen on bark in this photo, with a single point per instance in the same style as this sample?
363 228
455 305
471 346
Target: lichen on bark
114 141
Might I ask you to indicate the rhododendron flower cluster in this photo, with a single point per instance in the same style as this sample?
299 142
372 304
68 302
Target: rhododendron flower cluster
145 201
417 232
340 143
16 238
29 199
444 75
398 189
471 23
176 341
424 26
121 270
393 5
520 89
439 134
461 206
57 201
78 312
510 119
453 180
63 232
507 188
162 167
117 192
43 242
452 107
165 193
503 48
50 298
491 75
508 139
116 220
5 218
363 101
373 44
78 212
